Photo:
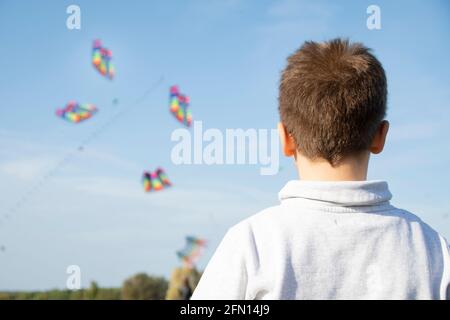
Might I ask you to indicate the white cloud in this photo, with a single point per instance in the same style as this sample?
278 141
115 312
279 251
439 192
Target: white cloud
192 198
26 160
109 158
26 169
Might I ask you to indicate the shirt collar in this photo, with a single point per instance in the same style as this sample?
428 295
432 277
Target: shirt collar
341 193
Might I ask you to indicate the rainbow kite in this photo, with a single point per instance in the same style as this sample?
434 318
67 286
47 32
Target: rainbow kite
179 106
155 181
192 251
101 60
75 112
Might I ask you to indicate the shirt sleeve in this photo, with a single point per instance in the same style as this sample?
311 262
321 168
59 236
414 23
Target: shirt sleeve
226 275
445 284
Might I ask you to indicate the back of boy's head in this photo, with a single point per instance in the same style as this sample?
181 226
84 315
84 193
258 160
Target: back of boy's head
332 99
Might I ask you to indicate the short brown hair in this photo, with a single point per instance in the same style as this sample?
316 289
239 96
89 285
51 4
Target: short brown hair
332 98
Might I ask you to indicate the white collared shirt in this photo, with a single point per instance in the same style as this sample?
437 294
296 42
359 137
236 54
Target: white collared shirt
329 240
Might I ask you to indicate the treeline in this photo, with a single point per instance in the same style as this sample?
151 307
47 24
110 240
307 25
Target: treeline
138 287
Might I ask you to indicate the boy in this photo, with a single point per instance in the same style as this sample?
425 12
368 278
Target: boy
334 235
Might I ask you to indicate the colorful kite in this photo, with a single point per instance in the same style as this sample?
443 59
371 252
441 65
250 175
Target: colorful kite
155 181
101 60
192 251
75 112
179 106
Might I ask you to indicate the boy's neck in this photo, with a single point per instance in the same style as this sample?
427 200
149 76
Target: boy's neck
349 169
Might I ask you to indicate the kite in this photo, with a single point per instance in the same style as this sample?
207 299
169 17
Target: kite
192 250
101 60
179 106
156 180
75 112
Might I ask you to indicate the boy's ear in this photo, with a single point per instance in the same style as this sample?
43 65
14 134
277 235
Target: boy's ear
380 137
287 142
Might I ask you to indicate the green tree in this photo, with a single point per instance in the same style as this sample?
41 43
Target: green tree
109 294
143 287
92 292
6 296
76 294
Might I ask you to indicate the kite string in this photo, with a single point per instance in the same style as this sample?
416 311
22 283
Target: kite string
37 186
118 114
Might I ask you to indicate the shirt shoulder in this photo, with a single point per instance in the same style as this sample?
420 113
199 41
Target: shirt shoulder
268 215
246 228
413 219
243 232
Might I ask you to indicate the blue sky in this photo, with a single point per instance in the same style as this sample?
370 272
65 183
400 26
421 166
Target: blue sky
227 55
